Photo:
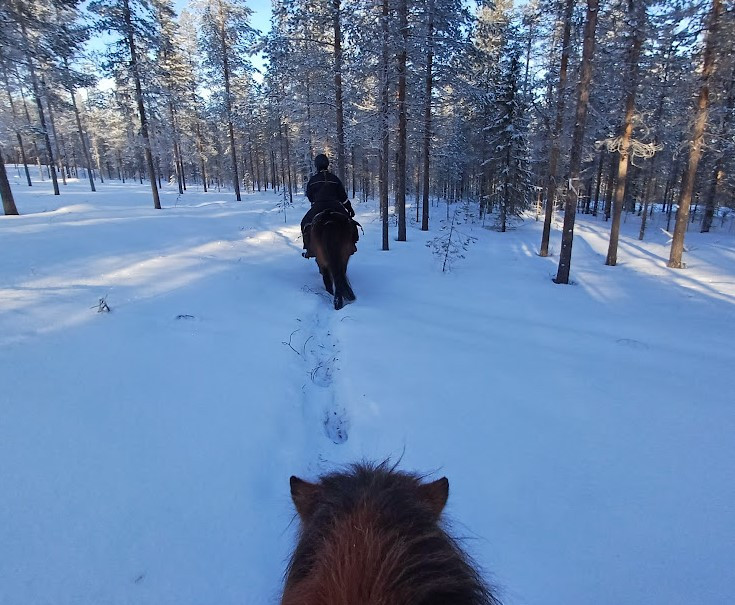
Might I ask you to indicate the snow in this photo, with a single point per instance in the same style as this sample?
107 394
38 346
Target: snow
586 430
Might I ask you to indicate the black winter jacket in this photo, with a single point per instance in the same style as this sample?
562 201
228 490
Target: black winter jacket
325 187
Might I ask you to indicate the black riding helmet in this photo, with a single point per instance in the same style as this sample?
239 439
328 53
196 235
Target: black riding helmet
321 162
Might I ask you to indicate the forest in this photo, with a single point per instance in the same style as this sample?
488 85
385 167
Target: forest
604 107
170 363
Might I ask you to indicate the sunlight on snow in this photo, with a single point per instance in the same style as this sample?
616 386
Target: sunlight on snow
143 277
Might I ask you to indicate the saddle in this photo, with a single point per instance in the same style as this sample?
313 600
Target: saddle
324 216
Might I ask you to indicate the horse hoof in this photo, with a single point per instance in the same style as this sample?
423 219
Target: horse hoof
338 303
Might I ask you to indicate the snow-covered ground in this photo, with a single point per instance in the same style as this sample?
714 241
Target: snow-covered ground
588 431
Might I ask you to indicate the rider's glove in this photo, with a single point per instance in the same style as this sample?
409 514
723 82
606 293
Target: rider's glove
348 207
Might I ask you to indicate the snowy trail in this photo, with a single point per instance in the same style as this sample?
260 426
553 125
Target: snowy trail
586 431
321 353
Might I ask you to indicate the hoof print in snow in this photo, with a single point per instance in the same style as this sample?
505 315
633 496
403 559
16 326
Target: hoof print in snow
322 374
185 316
632 343
336 425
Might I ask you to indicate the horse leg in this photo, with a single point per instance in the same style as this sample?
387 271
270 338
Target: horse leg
344 282
327 277
342 289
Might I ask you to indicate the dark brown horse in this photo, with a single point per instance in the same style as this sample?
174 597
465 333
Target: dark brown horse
372 536
333 243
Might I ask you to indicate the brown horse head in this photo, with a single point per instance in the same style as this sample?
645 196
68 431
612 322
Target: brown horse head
333 242
372 536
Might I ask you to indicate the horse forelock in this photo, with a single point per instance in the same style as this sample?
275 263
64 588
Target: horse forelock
372 541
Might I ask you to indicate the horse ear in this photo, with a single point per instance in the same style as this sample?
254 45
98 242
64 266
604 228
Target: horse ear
304 496
435 495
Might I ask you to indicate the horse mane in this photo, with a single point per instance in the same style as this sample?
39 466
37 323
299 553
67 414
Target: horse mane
371 536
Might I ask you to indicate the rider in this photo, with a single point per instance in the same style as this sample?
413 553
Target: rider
325 191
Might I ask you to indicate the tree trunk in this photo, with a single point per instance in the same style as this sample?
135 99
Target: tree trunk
309 129
29 123
5 192
718 172
274 174
598 183
384 129
141 108
181 162
283 165
338 90
82 140
15 127
200 149
427 113
41 115
402 137
529 45
626 130
52 123
288 163
354 172
696 140
557 129
648 187
228 101
583 96
177 159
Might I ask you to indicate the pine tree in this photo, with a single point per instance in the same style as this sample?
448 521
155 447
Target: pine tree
583 96
428 79
15 120
509 132
556 131
133 21
623 143
226 43
718 170
696 136
402 119
30 23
